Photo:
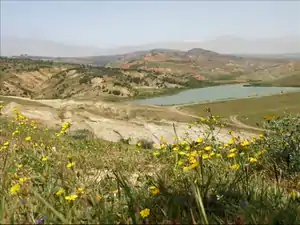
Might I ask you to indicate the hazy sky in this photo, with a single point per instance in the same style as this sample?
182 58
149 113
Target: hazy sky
116 23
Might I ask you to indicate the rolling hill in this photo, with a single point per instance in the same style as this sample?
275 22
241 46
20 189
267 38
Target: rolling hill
47 80
208 65
197 62
137 74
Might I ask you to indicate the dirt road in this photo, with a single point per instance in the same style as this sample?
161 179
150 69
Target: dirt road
234 121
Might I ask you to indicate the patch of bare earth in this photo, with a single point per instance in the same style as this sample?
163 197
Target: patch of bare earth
78 113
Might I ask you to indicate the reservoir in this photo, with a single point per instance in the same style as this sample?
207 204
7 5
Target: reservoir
216 93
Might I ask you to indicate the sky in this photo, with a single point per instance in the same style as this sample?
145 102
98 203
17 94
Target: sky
119 23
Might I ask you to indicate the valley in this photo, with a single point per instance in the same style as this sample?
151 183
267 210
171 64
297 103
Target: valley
80 90
150 112
139 74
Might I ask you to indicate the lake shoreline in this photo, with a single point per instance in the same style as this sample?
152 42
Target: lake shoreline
234 92
174 91
224 100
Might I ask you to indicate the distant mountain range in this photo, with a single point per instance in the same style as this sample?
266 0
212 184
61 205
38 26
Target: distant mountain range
289 46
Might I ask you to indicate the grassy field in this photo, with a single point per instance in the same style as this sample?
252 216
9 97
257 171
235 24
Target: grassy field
253 110
54 177
288 81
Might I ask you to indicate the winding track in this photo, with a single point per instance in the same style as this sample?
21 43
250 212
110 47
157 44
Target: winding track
234 121
238 123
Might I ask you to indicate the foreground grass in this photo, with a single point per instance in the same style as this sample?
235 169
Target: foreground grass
59 177
251 111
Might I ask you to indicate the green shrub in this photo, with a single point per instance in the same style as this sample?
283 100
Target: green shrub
116 92
85 80
283 138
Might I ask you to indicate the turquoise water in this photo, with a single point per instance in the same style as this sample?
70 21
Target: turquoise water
215 93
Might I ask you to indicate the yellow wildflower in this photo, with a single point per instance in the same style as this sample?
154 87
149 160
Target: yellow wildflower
15 189
192 160
70 165
218 155
184 142
235 166
212 154
80 191
28 138
181 153
245 143
205 156
176 148
163 146
253 160
231 141
200 140
194 154
186 168
294 194
156 153
20 166
232 150
207 148
194 165
60 192
187 148
24 179
71 197
15 132
145 213
180 163
231 155
154 190
139 144
44 159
